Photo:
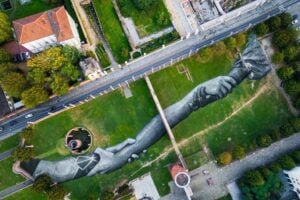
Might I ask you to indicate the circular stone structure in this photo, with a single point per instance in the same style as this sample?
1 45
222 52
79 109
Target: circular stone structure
182 179
78 140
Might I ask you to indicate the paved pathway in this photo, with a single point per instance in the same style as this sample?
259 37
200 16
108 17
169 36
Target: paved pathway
225 175
6 154
15 188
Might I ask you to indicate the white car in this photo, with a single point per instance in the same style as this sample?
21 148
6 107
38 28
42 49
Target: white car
28 115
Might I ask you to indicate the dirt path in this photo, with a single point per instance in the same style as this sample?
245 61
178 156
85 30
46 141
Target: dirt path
184 142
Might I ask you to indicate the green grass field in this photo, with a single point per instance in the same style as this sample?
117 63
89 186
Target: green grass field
9 143
146 20
7 177
112 118
112 29
19 11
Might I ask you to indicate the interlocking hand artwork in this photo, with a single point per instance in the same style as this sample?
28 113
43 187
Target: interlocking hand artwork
252 64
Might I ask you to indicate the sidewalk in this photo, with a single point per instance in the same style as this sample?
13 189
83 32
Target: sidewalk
15 188
6 154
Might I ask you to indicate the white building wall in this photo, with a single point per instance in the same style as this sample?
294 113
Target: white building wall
76 40
41 44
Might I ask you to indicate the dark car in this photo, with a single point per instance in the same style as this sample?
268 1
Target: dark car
12 123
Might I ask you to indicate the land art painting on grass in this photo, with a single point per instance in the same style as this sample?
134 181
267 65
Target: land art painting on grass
128 116
252 64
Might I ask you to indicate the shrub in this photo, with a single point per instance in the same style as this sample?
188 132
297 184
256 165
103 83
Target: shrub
42 183
57 192
261 29
225 158
27 134
296 124
22 153
285 73
264 140
287 162
136 54
107 195
277 58
254 178
286 129
238 152
296 156
275 167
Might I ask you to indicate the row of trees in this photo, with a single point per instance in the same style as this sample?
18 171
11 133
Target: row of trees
288 52
51 72
5 28
261 141
264 183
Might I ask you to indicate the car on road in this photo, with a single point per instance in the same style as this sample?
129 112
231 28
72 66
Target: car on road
1 128
28 115
12 123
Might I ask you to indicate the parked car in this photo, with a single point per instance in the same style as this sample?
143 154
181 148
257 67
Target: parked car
28 115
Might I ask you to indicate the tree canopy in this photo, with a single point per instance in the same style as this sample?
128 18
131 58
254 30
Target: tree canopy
5 28
33 96
42 183
13 83
143 4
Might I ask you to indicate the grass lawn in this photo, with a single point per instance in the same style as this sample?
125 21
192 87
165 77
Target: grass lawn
25 194
112 118
146 20
19 11
9 143
7 177
254 119
112 29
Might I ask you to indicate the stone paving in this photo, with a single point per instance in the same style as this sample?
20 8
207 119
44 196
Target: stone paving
225 175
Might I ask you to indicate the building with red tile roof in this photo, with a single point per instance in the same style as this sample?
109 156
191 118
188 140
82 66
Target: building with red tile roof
43 30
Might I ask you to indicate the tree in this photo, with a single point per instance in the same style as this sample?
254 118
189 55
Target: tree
42 183
241 39
37 76
277 58
50 60
238 152
5 68
4 56
71 53
274 23
287 162
291 53
162 19
286 37
225 158
14 83
27 134
22 153
296 156
230 42
206 53
261 29
286 20
266 172
275 167
70 71
285 73
296 124
33 96
219 48
107 195
292 87
5 28
59 85
264 140
254 178
56 192
143 4
286 129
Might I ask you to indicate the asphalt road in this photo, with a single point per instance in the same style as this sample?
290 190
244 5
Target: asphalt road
139 68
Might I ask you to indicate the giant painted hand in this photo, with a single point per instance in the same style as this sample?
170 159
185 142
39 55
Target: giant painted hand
253 64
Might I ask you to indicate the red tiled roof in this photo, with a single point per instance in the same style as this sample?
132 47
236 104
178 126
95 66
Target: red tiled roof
51 22
175 169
